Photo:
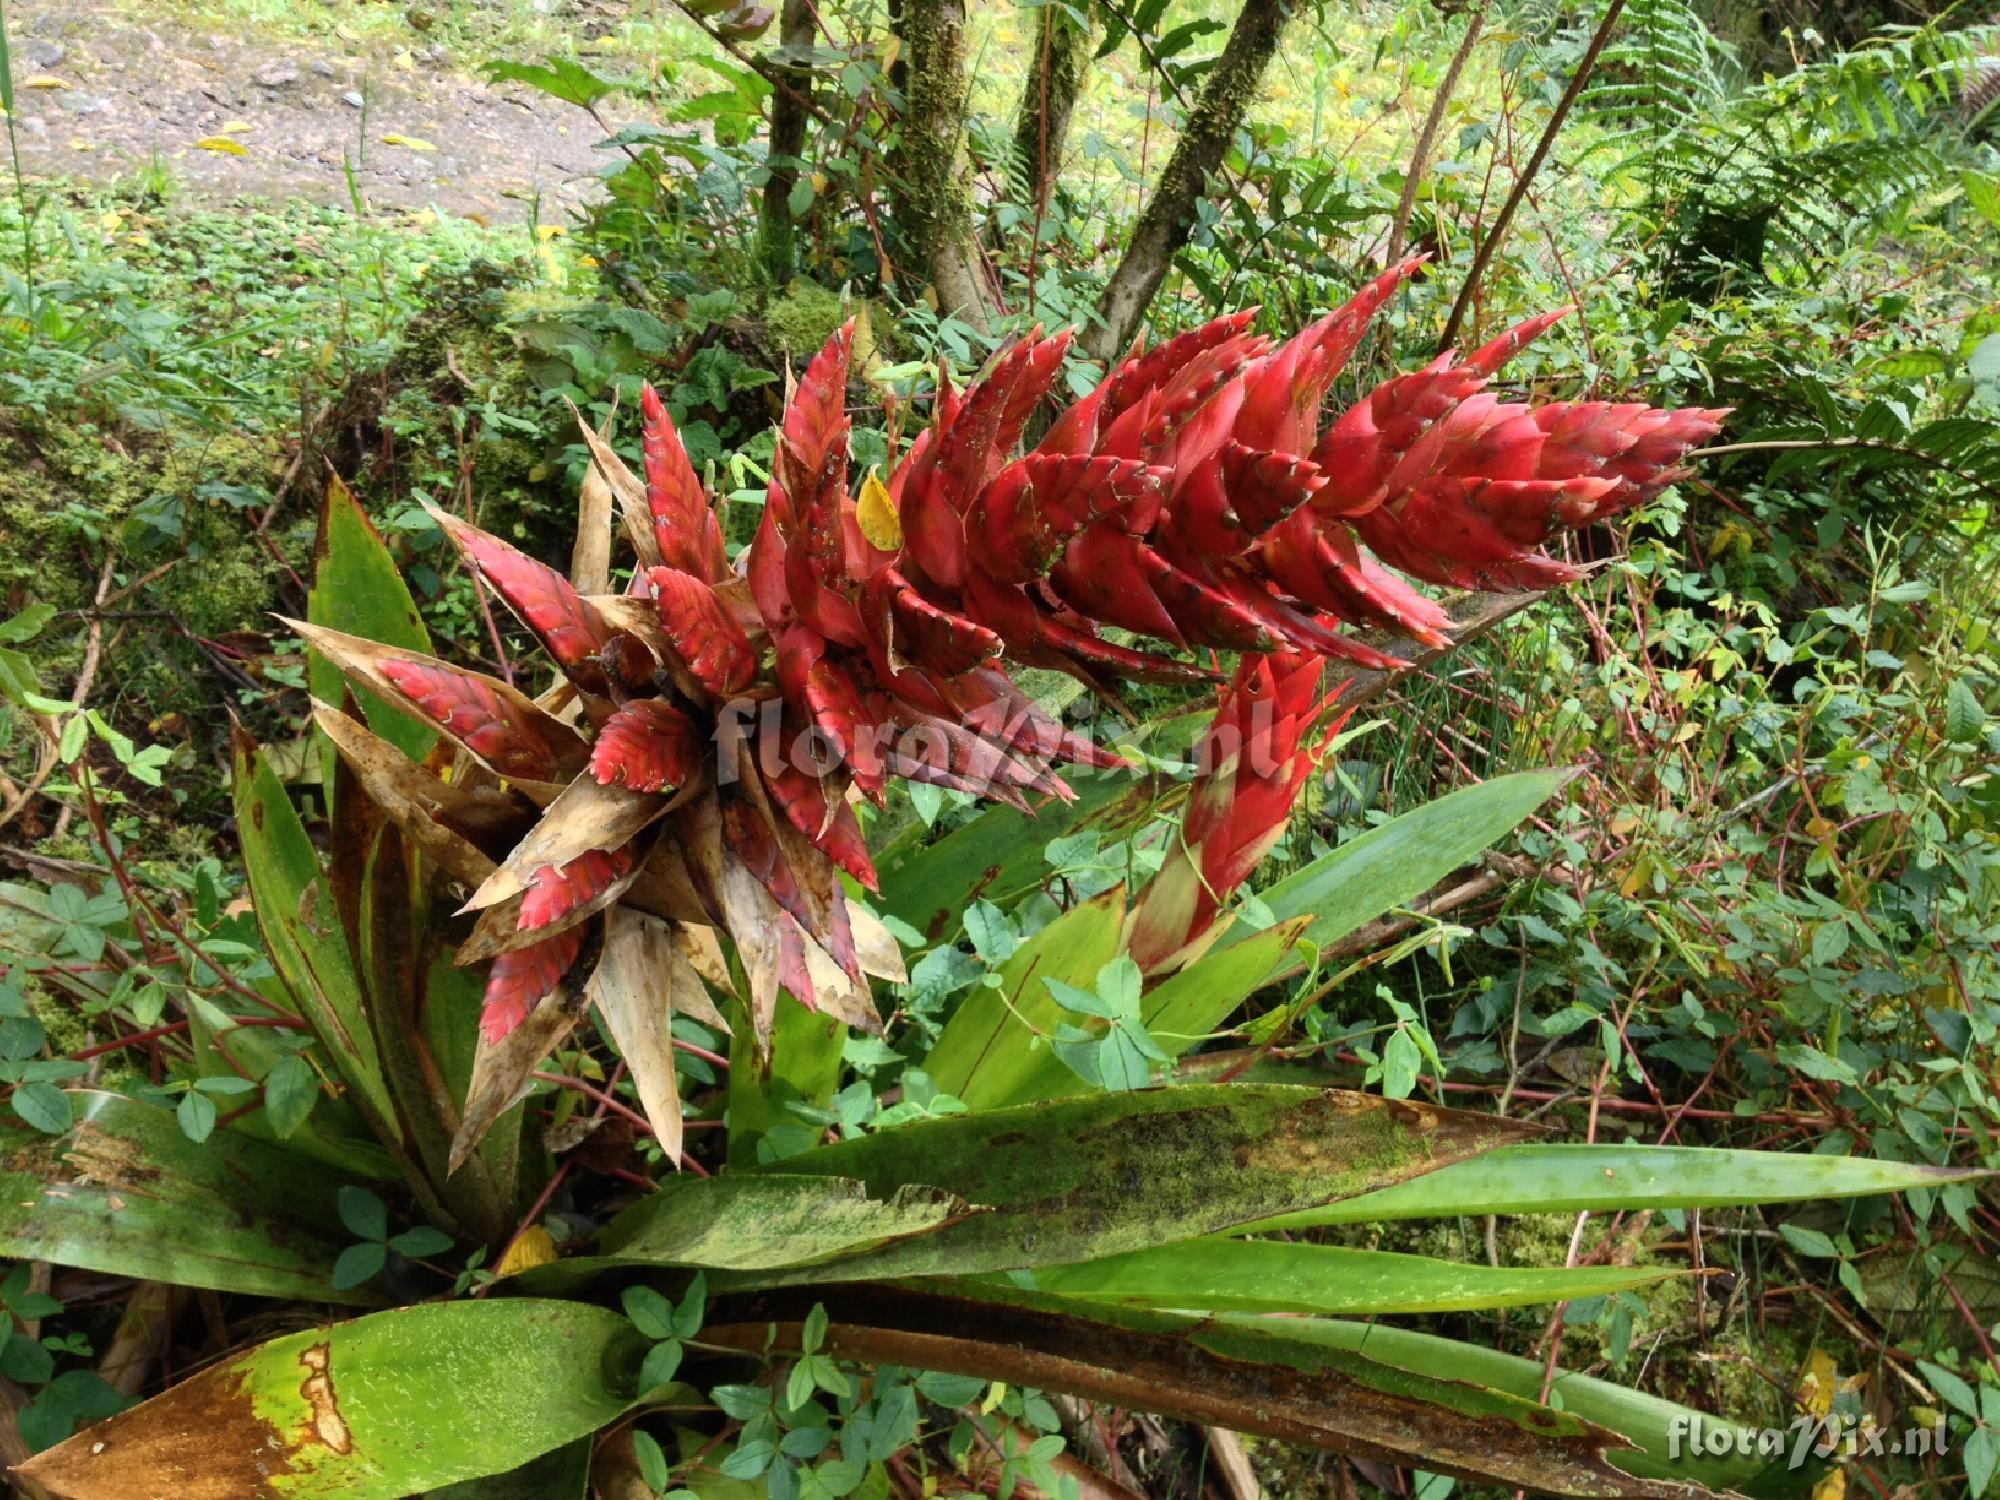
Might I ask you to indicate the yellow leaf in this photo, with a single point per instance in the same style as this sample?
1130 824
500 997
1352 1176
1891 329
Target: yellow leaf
1833 1487
1822 1378
1637 877
865 356
235 127
876 515
223 144
533 1246
408 142
46 81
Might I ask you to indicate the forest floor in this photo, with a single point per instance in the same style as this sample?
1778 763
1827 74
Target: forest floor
103 93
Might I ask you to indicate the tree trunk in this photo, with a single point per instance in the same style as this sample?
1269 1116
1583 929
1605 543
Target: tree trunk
1168 219
930 198
1041 125
775 230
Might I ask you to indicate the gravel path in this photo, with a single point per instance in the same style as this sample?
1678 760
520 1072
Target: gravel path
99 95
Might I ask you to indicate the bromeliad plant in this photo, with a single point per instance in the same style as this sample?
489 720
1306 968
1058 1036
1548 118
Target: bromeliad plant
670 830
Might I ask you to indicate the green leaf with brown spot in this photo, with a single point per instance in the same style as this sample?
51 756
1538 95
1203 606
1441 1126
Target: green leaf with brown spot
126 1193
386 1406
753 1222
1076 1179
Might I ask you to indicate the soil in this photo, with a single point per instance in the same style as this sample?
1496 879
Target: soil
102 94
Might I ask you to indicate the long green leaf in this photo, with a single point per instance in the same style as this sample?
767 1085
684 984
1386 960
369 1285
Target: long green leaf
990 1053
1000 855
754 1222
376 1409
992 1048
1249 1375
1076 1179
1531 1179
453 998
1227 1275
1392 865
357 588
1647 1421
126 1193
300 921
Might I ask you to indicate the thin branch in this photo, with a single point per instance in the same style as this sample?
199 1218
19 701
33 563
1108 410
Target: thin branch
1420 155
1491 244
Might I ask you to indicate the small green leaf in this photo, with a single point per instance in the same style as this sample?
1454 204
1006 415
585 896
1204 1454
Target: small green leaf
1121 983
1951 1388
196 1112
421 1241
364 1214
993 936
43 1106
650 1313
1809 1242
19 628
1075 998
661 1363
359 1264
1816 1064
1982 1454
1401 1058
1964 718
652 1462
742 1402
291 1089
814 1333
749 1460
692 1308
560 78
799 1384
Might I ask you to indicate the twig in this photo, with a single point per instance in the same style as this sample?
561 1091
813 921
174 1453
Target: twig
1491 243
50 755
1420 155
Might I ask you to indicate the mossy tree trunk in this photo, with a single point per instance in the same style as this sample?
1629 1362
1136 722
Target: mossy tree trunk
1168 218
1062 47
930 197
776 231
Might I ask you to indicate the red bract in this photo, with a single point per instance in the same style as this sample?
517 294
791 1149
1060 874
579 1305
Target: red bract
1260 747
715 723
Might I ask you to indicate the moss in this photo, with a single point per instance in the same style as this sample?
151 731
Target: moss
804 316
68 493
